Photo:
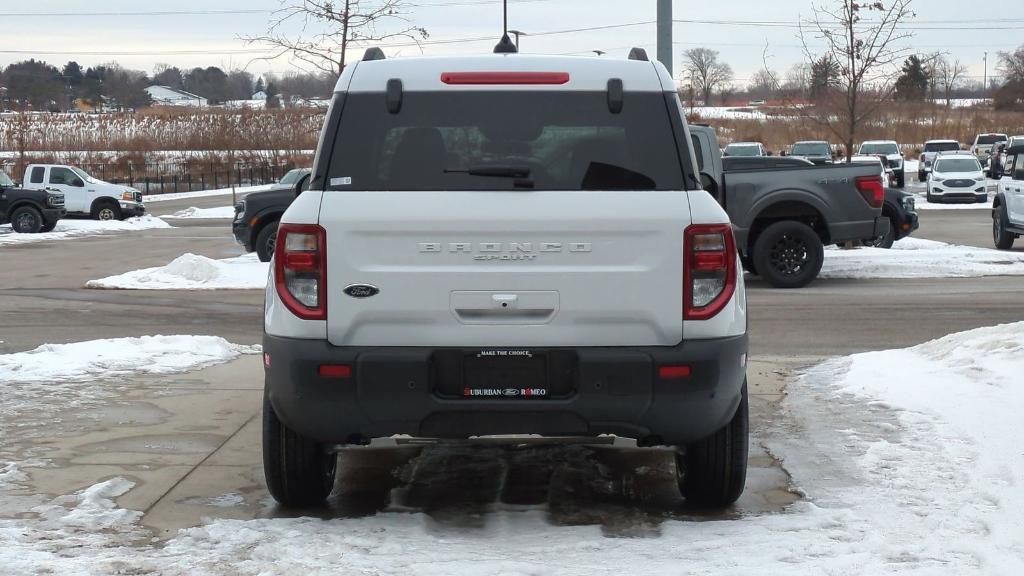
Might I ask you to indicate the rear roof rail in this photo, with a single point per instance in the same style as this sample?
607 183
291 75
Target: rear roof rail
374 54
639 54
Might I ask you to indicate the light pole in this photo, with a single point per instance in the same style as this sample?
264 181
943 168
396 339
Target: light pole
984 88
517 34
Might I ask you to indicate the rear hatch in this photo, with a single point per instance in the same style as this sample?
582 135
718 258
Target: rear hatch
505 218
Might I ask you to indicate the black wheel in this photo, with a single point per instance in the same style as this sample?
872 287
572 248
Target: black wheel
299 471
266 240
789 254
886 240
106 211
901 179
1003 239
26 220
931 199
713 471
48 227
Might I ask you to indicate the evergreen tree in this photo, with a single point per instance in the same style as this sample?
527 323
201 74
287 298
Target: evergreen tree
912 85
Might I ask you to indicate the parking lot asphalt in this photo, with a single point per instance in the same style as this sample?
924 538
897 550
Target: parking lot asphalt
207 428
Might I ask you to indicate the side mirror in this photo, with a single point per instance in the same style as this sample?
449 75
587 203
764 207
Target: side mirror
78 183
303 184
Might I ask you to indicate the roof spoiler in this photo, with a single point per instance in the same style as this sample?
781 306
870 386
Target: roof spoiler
639 54
373 54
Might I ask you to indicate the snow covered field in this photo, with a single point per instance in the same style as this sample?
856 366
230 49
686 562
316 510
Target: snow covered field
919 258
69 228
909 462
220 212
192 272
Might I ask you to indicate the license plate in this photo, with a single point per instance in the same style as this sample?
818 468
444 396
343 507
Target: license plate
518 374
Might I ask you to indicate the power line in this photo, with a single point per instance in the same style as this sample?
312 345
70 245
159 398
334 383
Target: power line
236 12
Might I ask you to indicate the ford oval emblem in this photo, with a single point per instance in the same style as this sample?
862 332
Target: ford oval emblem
511 392
361 290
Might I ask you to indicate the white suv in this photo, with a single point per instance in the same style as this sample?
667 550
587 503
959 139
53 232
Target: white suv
957 177
505 245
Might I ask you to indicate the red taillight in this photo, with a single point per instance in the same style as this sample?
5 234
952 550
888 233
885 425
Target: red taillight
300 270
870 187
709 270
674 372
469 78
335 371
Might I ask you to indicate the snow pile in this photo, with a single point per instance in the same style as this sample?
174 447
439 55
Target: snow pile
227 212
240 190
192 272
919 258
69 228
93 359
93 507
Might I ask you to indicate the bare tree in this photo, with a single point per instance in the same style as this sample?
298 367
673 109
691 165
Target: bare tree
864 39
1011 64
798 79
763 84
949 75
329 28
707 72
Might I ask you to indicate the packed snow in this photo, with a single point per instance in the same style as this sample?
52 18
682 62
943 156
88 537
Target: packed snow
220 212
193 272
919 258
238 190
908 462
54 363
69 228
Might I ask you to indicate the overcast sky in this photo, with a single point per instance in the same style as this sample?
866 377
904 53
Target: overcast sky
138 41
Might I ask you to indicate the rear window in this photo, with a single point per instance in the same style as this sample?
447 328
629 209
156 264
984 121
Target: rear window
492 140
812 149
742 150
990 139
887 149
941 147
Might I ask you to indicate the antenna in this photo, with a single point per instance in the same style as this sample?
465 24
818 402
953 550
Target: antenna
505 46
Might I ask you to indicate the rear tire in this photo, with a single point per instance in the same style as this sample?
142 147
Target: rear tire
1003 239
106 211
266 241
299 471
713 471
26 220
788 254
901 179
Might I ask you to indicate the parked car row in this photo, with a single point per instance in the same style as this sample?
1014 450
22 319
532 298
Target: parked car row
79 194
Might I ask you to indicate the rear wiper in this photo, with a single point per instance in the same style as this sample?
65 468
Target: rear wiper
494 171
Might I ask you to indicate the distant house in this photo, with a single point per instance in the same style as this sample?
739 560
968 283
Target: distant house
261 95
167 96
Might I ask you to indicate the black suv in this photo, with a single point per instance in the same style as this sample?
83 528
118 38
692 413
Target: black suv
256 217
29 211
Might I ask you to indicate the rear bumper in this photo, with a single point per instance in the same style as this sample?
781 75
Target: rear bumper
847 231
613 391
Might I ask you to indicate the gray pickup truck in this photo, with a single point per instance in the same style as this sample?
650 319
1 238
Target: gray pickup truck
783 217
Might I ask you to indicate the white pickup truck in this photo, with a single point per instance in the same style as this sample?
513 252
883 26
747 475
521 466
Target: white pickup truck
83 194
505 245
